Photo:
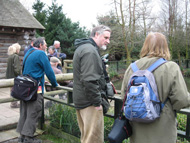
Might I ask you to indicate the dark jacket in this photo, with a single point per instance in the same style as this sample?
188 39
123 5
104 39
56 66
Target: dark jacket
13 66
58 55
89 81
26 49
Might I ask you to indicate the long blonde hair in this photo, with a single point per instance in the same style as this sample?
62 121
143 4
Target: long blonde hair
155 45
13 48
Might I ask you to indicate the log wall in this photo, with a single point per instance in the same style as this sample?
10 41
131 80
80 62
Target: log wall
9 36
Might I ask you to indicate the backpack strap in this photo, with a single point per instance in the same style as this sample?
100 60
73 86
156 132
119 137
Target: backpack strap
134 67
156 64
163 104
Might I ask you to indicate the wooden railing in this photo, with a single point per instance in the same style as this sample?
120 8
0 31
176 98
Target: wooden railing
116 99
67 66
117 108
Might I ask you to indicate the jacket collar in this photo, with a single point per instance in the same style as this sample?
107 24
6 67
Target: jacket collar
95 45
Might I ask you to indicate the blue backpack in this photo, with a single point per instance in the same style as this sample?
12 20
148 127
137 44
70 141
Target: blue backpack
142 103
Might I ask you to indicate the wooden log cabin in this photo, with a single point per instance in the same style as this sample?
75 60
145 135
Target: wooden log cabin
17 25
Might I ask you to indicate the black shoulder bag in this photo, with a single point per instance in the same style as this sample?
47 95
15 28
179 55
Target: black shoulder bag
25 87
121 128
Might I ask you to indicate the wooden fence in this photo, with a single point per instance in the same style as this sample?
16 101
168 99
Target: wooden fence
62 89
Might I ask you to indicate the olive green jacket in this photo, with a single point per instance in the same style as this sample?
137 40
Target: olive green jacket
171 85
13 66
89 80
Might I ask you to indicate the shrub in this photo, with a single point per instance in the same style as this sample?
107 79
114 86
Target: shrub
108 122
64 118
187 72
181 118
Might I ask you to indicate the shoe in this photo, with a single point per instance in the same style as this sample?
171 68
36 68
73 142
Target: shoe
32 140
15 106
48 104
20 140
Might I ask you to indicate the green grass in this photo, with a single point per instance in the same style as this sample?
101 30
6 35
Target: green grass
181 140
47 138
64 118
181 118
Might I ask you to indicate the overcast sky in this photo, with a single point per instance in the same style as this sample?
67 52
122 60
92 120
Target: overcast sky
84 11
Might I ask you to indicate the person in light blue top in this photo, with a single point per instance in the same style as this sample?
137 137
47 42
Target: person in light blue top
52 53
36 65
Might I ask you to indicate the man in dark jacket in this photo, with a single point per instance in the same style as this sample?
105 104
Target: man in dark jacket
89 84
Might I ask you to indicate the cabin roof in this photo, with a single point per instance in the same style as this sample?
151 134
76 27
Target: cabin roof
14 14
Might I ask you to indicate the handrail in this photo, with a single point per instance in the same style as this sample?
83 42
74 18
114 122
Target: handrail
117 106
66 67
59 78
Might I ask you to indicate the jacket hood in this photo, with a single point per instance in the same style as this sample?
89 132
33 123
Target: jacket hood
82 41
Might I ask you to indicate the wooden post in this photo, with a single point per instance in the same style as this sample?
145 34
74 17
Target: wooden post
118 106
69 97
188 126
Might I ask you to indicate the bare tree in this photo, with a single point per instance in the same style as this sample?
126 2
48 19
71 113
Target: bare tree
148 20
122 23
170 14
133 16
126 18
186 28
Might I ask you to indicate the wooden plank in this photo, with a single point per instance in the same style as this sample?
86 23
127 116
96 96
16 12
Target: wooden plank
2 75
184 111
3 70
3 64
12 134
3 60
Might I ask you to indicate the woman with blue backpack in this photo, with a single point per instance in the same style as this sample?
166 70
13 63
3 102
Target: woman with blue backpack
170 89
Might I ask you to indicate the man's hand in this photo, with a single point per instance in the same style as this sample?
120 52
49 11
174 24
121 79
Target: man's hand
98 107
58 85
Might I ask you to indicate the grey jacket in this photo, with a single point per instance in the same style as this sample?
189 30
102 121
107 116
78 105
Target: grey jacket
170 84
89 81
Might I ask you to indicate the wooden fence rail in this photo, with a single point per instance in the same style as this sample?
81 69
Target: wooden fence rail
116 99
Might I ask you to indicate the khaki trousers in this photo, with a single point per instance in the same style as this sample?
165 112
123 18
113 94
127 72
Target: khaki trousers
91 125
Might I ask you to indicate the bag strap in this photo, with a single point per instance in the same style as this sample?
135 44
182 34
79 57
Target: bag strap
25 61
163 104
125 98
155 65
134 67
26 58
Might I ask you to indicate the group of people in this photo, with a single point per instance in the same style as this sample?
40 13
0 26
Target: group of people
36 65
89 84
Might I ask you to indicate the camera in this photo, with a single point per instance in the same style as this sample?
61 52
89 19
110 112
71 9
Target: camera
105 58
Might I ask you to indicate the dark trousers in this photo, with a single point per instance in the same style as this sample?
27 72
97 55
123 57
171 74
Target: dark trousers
30 112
